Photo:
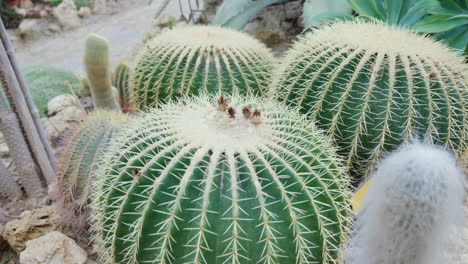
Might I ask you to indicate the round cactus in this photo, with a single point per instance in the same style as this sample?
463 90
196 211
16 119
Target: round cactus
242 180
373 86
196 59
79 159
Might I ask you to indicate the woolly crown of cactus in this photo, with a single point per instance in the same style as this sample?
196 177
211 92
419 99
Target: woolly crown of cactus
373 86
199 59
78 161
233 180
412 210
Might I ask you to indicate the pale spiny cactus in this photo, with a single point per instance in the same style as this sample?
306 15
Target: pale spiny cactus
8 186
25 167
412 210
96 60
373 86
199 59
238 181
120 78
83 151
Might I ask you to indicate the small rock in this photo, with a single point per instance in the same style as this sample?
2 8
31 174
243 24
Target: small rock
64 113
268 30
293 9
27 4
24 213
84 12
30 29
53 248
100 7
39 222
59 103
67 15
54 28
4 151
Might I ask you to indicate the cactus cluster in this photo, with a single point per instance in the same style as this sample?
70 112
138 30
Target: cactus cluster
96 60
413 208
235 180
81 156
199 59
120 79
374 86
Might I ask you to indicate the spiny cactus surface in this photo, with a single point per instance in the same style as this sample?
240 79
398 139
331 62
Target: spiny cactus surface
96 60
241 180
373 86
413 208
196 59
120 79
78 162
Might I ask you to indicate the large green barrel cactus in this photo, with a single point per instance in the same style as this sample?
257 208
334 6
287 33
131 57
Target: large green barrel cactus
373 86
196 59
234 181
81 156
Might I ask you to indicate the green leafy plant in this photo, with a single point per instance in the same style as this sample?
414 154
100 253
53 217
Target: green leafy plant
78 3
9 16
83 150
46 82
236 14
199 59
373 86
228 180
446 19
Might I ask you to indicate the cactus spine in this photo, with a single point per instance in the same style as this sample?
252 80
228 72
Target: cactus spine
96 60
120 82
243 180
373 86
82 154
413 206
199 59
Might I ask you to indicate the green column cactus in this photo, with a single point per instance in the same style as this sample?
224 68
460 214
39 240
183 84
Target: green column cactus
82 154
120 78
374 86
196 59
96 60
244 180
413 208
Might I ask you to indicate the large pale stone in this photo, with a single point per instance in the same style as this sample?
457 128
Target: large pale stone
53 248
30 29
67 15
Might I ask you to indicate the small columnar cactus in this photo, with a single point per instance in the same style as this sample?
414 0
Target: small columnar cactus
373 86
412 209
120 78
196 59
79 159
96 60
242 180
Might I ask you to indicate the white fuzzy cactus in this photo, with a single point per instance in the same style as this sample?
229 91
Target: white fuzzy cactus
414 204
